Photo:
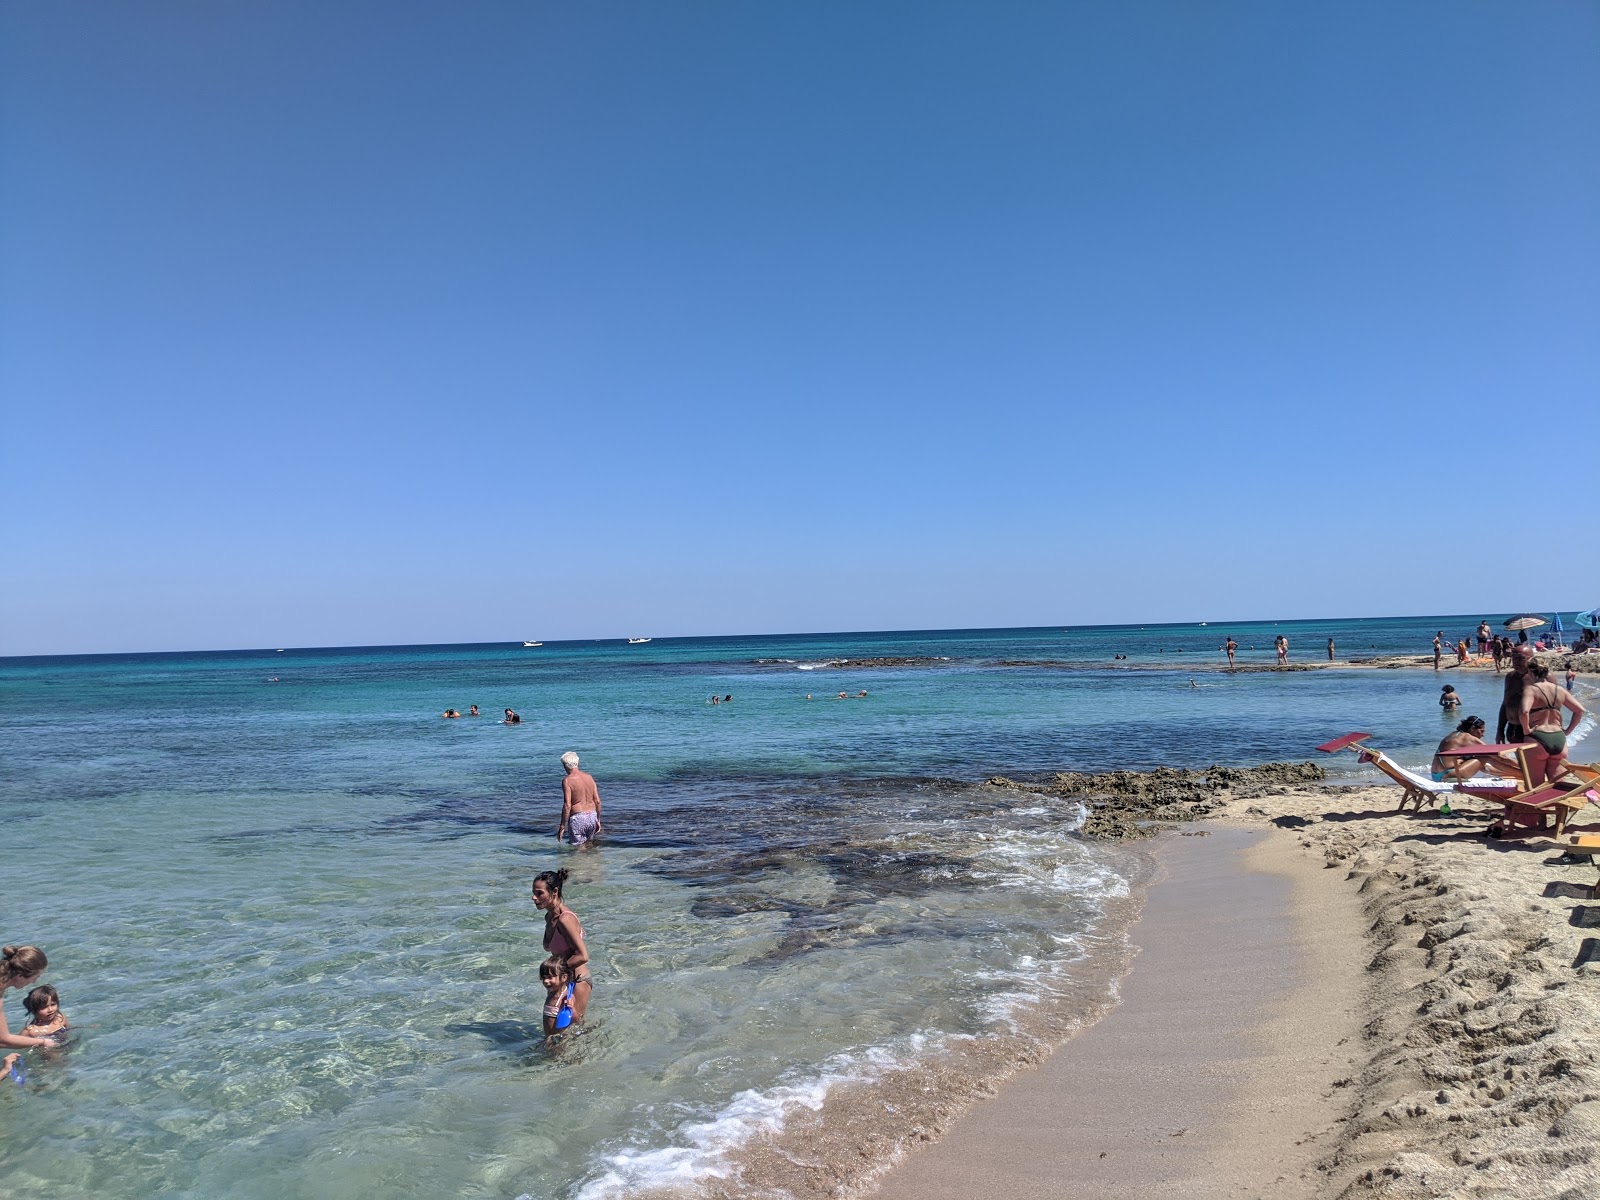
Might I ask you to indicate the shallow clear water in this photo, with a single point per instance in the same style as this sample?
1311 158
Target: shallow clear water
290 919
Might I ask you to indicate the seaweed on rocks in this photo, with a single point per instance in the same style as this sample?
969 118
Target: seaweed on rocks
1133 804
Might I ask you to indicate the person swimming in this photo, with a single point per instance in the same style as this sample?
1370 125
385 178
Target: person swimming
558 990
450 714
511 717
44 1006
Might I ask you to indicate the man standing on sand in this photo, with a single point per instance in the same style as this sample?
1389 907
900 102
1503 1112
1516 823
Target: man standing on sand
1506 728
580 803
1230 649
1438 649
1483 638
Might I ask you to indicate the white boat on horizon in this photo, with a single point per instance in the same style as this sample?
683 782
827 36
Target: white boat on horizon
637 641
525 645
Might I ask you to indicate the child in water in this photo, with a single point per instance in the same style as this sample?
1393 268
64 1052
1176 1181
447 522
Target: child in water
558 987
45 1007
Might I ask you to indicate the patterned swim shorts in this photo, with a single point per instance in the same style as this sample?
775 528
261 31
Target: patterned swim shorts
582 826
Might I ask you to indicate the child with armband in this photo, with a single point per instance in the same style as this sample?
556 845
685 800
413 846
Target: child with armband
558 986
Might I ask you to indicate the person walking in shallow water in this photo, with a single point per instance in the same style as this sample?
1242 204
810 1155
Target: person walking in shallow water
1330 649
1230 648
1282 645
580 803
563 936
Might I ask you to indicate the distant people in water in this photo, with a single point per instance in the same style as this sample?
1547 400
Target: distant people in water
580 803
558 989
450 713
861 695
843 696
1448 698
44 1006
511 717
727 699
808 695
563 936
473 711
1330 649
1193 684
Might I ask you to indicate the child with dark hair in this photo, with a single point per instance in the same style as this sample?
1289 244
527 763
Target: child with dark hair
44 1006
558 989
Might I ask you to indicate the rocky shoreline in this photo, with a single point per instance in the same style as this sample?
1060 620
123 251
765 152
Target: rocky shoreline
1124 805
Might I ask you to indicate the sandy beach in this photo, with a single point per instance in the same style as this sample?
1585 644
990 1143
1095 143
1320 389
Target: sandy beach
1328 999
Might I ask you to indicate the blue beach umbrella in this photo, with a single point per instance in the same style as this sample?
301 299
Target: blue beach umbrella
1555 628
1588 620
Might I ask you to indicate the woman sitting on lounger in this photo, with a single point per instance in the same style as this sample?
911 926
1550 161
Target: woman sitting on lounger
1542 702
1468 733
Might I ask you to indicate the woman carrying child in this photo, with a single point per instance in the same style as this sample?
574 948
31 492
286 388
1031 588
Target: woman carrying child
20 967
563 936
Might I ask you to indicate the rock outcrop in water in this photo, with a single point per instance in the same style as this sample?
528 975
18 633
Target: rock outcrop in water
1136 804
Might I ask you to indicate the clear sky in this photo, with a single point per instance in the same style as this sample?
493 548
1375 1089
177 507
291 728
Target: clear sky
394 322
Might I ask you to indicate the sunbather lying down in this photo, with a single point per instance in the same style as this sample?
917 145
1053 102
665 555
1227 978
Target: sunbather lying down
1470 733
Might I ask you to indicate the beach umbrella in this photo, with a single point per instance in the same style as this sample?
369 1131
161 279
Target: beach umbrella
1525 621
1589 620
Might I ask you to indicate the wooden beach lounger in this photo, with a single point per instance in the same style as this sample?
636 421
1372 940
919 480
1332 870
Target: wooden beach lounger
1419 789
1586 846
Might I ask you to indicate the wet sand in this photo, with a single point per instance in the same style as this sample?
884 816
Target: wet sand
1216 1073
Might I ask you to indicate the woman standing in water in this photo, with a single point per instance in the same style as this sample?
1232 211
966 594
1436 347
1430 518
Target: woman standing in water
563 936
20 968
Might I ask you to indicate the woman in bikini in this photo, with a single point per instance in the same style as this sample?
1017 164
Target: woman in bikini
563 936
1542 702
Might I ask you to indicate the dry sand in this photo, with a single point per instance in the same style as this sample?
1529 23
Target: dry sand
1331 999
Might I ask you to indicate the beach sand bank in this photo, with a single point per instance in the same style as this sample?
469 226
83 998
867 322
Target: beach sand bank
1329 999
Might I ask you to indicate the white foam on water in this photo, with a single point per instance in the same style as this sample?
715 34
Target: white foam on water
705 1149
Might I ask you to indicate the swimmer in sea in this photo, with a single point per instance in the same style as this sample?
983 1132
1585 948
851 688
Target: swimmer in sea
862 695
842 696
511 717
44 1006
1448 698
473 711
450 714
558 989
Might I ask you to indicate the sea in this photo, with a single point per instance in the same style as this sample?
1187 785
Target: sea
286 903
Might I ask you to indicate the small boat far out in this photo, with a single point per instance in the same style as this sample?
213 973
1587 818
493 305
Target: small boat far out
637 641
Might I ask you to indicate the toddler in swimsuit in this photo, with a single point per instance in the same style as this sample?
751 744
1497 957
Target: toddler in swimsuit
44 1006
558 987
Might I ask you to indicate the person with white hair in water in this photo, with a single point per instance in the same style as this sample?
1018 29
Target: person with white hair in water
580 803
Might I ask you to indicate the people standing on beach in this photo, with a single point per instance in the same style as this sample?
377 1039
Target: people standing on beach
512 718
1438 650
1508 726
1498 648
1542 702
563 936
1330 649
1282 644
20 967
1461 652
580 803
1230 648
1483 638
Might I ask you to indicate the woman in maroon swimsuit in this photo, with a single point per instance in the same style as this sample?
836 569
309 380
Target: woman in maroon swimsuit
563 936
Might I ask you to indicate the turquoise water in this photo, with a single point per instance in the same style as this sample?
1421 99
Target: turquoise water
290 920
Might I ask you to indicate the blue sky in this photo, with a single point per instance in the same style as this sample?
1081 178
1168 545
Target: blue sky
386 322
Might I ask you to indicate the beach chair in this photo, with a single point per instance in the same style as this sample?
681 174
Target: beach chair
1531 810
1416 789
1585 846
